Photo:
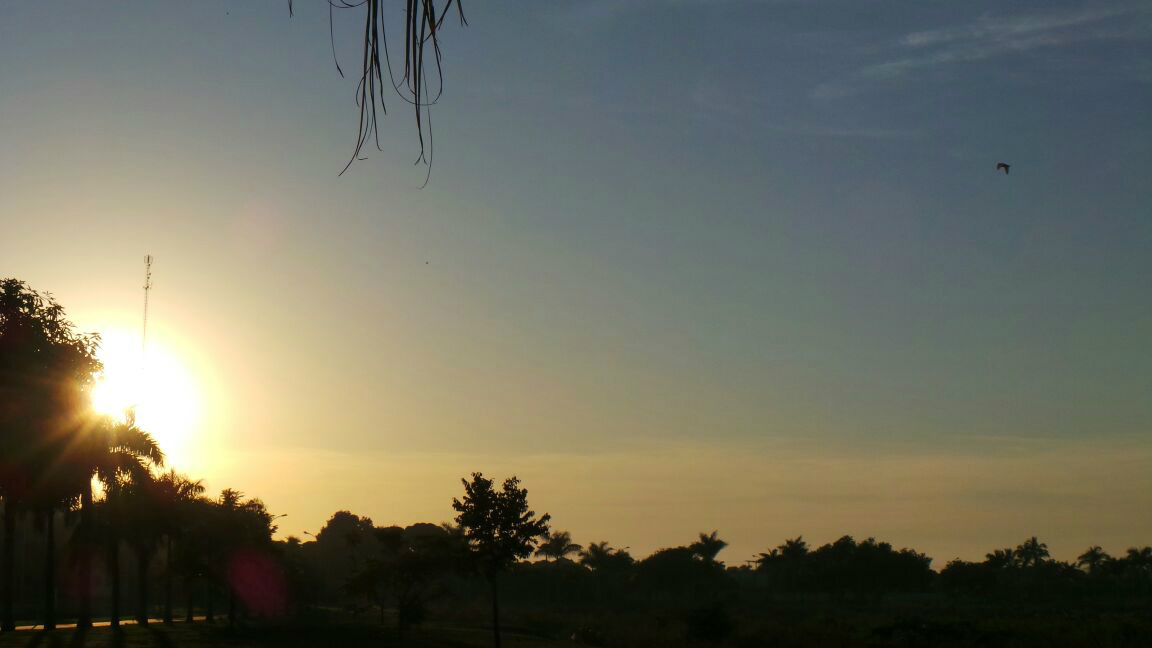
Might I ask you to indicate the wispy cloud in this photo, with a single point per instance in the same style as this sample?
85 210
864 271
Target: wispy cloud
583 12
989 28
991 36
744 105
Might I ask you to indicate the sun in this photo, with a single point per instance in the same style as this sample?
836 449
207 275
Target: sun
155 384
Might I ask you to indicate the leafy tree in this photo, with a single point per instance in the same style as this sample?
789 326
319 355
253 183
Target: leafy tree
340 543
557 545
45 371
679 571
500 529
409 570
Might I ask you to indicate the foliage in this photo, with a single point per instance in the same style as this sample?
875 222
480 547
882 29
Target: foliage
601 557
498 525
557 545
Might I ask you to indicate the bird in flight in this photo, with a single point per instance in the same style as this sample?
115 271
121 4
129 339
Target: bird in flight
1002 166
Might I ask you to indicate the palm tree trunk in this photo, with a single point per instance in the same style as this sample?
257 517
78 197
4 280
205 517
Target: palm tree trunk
142 556
114 576
84 619
495 614
50 572
209 610
8 622
168 582
188 611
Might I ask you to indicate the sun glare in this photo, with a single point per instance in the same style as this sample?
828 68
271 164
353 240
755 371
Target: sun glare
156 384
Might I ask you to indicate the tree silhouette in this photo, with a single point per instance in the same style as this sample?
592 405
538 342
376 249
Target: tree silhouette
142 532
708 546
1000 559
1139 558
242 526
176 496
408 570
1137 568
794 549
601 557
1031 552
116 453
45 371
499 528
1093 559
557 545
50 495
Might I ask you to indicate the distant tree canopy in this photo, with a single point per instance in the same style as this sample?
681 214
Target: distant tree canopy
845 567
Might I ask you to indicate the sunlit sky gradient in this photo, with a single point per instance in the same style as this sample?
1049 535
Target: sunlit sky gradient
682 265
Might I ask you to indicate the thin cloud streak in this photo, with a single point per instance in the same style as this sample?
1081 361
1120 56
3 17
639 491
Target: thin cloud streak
995 36
1001 28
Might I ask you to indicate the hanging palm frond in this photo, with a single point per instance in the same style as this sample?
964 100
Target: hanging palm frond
423 21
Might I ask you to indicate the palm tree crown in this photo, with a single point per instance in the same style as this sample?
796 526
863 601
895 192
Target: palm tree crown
557 545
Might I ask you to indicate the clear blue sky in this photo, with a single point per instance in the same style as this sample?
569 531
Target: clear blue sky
681 265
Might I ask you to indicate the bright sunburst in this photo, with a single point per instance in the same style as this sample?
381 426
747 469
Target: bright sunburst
156 383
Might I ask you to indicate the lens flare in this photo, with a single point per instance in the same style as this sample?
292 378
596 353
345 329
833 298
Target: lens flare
156 385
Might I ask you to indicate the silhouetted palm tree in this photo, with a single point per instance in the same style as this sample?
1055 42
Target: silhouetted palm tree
708 546
1000 558
1093 559
240 524
175 494
143 529
1031 553
794 549
1139 557
596 554
115 452
51 495
557 545
601 557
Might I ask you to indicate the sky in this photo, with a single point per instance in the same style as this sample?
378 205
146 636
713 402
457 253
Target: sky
680 265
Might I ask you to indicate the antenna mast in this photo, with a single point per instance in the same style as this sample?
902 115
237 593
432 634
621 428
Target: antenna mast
147 289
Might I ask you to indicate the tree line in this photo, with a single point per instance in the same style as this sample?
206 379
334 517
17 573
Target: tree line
87 497
54 448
